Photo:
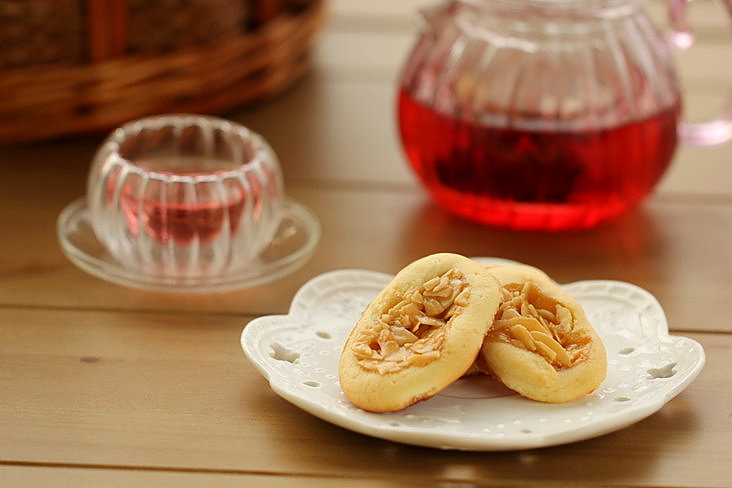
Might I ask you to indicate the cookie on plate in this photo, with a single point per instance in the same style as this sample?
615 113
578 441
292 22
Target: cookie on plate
421 333
541 344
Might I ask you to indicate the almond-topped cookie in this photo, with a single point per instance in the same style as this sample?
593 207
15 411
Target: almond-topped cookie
421 333
541 344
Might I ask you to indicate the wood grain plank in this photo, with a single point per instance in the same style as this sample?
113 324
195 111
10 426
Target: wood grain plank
106 386
81 477
679 251
173 391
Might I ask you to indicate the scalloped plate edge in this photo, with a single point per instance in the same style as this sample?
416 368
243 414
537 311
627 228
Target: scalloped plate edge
327 281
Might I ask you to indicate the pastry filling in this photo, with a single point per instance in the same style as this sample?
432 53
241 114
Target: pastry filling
530 320
412 331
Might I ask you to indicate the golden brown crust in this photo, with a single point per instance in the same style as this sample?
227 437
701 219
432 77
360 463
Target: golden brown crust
541 344
562 358
422 332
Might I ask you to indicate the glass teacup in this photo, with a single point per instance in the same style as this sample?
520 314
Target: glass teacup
185 195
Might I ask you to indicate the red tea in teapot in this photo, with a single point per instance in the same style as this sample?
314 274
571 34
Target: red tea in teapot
530 179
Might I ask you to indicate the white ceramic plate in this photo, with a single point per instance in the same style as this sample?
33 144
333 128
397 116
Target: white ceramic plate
298 354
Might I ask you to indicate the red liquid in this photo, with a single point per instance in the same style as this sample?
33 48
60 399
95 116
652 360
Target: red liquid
180 222
533 179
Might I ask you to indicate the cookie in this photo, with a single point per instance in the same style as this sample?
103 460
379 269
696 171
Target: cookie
541 344
420 334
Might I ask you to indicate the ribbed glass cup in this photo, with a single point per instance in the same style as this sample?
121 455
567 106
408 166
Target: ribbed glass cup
185 195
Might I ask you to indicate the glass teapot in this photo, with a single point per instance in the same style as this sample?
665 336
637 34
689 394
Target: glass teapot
544 114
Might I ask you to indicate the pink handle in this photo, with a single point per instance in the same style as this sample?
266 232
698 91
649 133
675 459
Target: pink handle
714 131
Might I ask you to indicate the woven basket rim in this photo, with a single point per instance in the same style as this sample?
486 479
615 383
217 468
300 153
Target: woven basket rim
40 102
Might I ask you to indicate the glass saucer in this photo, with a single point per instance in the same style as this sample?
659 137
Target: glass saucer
293 244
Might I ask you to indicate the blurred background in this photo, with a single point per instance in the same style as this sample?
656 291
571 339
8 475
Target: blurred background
83 67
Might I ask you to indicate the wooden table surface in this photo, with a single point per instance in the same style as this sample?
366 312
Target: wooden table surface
102 385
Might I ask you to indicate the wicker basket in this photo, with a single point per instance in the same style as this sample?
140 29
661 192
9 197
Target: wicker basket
86 66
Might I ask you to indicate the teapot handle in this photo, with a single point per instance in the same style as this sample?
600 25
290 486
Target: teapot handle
708 133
